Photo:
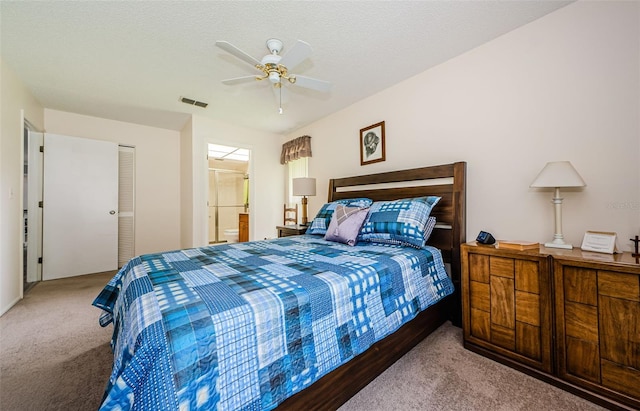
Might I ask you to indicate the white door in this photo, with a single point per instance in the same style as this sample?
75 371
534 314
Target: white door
80 213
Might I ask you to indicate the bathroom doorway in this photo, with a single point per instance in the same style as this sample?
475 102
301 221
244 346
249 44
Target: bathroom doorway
228 191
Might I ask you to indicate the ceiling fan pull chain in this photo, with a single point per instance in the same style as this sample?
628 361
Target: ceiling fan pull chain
280 108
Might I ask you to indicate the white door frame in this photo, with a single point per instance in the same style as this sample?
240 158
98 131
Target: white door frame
201 189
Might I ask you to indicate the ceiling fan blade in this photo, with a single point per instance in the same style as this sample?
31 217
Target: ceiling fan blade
231 49
238 80
298 53
312 83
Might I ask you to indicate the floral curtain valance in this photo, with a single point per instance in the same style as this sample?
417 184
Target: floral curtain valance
295 149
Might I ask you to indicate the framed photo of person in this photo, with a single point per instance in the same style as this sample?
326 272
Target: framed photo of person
372 144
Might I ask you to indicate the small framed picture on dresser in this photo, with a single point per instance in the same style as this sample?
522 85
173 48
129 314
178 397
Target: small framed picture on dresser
600 242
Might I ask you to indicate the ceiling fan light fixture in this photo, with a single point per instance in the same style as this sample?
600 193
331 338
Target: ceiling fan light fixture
274 77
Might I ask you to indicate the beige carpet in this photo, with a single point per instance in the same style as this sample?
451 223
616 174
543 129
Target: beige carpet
55 356
439 374
53 353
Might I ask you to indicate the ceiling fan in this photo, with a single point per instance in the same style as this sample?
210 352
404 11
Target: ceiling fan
275 67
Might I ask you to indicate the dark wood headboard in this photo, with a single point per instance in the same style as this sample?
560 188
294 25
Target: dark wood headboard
447 181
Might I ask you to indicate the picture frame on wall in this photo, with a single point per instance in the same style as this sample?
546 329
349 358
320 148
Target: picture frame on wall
372 144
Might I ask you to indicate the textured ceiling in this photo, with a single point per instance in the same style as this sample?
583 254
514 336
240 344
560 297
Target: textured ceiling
132 60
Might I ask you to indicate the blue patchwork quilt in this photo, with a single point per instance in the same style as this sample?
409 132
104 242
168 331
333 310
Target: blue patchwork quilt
244 326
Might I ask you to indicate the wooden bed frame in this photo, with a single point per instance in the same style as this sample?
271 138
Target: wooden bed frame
448 182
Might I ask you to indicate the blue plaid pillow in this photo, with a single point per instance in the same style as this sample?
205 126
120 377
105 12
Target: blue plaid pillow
401 222
428 228
323 218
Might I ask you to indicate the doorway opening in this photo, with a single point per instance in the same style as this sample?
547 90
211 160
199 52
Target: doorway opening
228 191
31 210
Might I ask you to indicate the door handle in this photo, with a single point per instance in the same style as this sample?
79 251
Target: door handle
112 212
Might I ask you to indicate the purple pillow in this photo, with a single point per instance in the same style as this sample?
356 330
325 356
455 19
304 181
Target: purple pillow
345 224
323 218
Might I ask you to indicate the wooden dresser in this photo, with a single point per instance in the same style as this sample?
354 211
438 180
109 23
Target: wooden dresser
568 317
597 318
507 304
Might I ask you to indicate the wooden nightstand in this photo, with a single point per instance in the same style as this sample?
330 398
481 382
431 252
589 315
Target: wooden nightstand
567 317
507 300
288 230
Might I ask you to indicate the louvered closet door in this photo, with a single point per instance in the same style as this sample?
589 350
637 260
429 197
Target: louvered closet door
126 204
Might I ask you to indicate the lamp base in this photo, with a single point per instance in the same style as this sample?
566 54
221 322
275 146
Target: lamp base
556 245
305 220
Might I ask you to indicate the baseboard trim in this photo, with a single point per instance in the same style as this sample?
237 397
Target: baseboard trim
4 310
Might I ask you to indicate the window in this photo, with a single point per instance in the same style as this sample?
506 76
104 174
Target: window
295 169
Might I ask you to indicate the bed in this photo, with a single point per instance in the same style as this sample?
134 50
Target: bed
201 329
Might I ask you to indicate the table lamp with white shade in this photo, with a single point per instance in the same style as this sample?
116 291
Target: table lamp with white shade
554 175
304 186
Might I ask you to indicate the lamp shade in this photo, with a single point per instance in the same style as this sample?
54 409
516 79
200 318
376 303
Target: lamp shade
304 186
558 174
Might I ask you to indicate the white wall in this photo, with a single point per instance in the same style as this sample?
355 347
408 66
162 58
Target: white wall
157 176
16 104
186 185
564 87
266 176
